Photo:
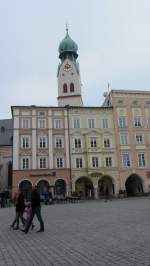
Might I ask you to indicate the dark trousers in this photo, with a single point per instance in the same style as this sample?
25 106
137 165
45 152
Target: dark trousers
19 215
37 212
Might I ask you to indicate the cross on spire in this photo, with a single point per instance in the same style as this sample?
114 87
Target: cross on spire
66 28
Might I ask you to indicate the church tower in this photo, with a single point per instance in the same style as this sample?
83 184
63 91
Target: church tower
69 83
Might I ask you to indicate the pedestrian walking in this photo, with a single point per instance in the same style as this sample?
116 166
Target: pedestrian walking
2 199
50 197
46 197
36 209
107 194
20 206
28 212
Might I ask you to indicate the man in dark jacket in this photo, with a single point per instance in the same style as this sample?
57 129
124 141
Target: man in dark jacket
36 209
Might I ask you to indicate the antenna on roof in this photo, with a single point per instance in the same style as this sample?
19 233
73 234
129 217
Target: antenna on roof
108 86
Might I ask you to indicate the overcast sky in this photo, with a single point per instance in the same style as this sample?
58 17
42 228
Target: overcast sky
113 38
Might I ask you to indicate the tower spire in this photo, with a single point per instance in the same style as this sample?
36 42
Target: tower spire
67 29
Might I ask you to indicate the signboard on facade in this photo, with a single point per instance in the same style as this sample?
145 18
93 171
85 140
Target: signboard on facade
43 174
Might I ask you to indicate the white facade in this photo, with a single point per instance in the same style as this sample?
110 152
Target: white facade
69 84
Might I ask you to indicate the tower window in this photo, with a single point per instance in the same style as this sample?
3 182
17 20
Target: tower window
65 88
71 87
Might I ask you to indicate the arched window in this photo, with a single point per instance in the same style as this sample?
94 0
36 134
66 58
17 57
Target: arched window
65 88
71 87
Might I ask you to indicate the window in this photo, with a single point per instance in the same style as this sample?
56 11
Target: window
93 142
25 163
139 139
25 142
77 143
76 123
42 123
42 113
95 162
65 88
124 139
91 123
122 121
59 162
106 143
148 122
79 163
11 139
137 121
57 123
42 142
25 123
126 160
2 129
141 159
71 87
42 162
104 123
108 161
59 143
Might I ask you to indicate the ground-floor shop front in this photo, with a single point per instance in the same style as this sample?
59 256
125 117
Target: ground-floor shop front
95 185
55 182
84 185
135 182
114 184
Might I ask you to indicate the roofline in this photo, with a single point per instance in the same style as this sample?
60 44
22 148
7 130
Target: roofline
61 107
130 91
5 119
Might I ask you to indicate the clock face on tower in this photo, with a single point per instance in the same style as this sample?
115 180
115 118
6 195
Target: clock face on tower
67 67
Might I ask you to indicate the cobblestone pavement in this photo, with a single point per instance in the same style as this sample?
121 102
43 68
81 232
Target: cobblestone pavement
81 234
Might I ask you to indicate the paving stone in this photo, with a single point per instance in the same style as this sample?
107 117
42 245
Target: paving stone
92 233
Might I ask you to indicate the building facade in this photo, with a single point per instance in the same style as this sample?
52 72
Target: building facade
131 113
6 133
93 159
40 149
76 149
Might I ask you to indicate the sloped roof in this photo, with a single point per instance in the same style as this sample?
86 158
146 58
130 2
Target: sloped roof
6 132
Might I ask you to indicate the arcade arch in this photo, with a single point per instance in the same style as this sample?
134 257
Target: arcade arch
60 187
84 188
134 185
43 186
105 183
26 187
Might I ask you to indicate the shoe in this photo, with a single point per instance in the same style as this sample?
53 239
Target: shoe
41 230
16 228
11 226
25 231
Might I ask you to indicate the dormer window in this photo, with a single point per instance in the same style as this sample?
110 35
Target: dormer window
71 87
65 88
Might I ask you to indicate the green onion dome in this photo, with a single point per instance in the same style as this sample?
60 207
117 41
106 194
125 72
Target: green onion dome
67 46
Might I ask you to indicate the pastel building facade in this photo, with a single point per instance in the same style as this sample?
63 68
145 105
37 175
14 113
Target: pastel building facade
93 160
40 149
6 141
131 113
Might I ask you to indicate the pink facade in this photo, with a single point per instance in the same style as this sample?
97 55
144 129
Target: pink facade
131 111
